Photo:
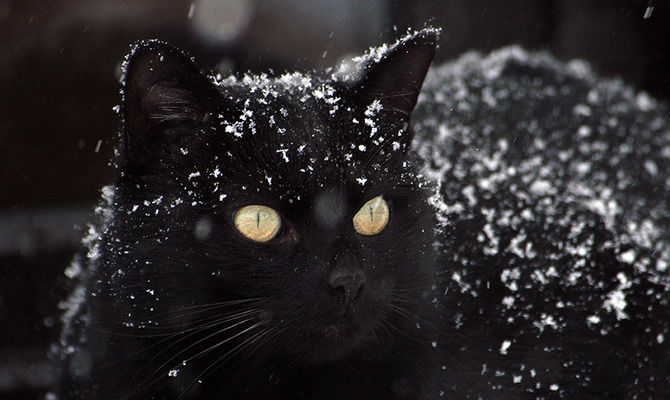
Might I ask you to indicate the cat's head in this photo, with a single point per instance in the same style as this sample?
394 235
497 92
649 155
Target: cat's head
293 202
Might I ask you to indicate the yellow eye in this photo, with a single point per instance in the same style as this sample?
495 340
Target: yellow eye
258 223
372 217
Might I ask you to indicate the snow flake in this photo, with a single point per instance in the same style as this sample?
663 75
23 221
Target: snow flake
469 193
509 278
582 110
541 187
373 108
584 131
283 153
627 257
616 299
545 321
505 346
508 301
651 167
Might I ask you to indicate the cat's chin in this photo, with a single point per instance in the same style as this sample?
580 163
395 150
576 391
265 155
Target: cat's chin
336 331
333 342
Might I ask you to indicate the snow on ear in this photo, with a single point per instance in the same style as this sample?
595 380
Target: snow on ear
162 88
394 76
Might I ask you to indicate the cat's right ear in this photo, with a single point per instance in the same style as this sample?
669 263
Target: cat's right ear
163 91
395 76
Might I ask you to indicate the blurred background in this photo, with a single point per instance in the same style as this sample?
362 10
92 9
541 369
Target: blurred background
59 70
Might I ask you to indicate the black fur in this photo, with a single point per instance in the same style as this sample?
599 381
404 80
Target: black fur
504 283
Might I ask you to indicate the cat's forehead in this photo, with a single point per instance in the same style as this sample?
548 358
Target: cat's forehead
298 89
295 128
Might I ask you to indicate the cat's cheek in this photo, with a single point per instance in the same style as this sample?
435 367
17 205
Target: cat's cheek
387 283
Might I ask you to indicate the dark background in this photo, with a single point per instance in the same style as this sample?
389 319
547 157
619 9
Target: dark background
59 69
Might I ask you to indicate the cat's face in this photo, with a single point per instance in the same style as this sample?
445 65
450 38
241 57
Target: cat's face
292 203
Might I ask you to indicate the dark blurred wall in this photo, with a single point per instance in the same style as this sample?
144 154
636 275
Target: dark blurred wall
59 69
620 38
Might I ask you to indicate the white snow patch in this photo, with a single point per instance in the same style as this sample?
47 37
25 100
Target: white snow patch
469 193
505 346
651 167
541 187
509 278
545 321
284 154
508 301
616 299
373 108
628 257
582 110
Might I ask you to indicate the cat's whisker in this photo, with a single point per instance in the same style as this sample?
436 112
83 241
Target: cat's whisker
198 324
194 344
197 329
400 310
390 328
230 353
374 334
406 289
175 330
259 342
201 308
192 323
402 315
221 343
400 298
274 332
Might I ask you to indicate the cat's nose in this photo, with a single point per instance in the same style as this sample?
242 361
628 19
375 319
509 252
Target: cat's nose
347 283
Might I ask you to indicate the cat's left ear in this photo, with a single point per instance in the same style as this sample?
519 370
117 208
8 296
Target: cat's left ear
165 99
394 78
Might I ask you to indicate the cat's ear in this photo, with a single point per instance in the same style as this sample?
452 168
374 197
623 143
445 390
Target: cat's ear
163 90
394 77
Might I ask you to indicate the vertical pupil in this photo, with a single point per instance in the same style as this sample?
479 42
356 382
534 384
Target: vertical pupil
371 217
258 219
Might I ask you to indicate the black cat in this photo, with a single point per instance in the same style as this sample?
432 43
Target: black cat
279 238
